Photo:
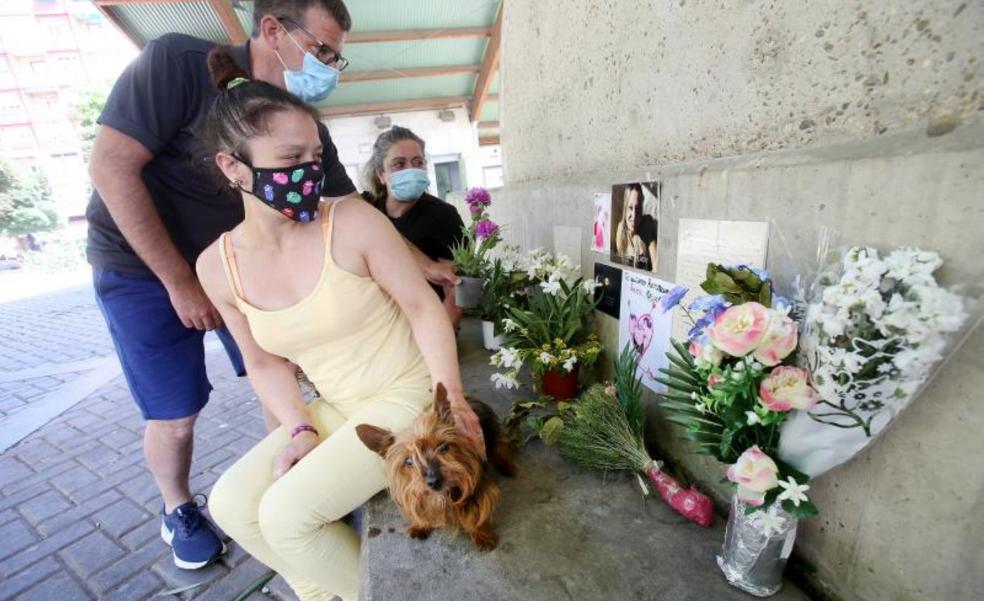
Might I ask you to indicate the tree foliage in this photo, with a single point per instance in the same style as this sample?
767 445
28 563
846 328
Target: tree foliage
87 111
26 206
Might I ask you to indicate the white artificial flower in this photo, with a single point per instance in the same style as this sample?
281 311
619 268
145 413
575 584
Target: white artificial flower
833 324
546 358
509 358
752 418
700 407
590 285
550 286
874 306
793 491
504 381
569 364
508 325
769 522
908 361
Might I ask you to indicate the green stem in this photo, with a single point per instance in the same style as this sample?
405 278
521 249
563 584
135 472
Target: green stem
257 585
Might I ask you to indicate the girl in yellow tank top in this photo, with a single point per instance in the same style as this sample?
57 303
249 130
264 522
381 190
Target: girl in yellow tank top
332 289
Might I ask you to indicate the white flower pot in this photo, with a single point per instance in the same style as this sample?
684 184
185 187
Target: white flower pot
491 341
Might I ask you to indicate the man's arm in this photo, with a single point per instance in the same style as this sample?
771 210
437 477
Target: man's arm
116 169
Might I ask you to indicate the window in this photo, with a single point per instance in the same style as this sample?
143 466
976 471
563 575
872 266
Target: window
45 107
11 108
59 31
7 79
68 67
17 137
38 67
492 176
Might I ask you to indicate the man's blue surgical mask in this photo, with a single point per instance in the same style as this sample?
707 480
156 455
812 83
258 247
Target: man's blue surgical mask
409 184
314 82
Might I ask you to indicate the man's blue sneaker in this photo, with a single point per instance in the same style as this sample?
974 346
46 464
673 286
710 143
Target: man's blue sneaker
193 539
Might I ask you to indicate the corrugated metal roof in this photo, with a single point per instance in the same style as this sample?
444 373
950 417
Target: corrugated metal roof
149 21
376 15
357 92
405 55
144 21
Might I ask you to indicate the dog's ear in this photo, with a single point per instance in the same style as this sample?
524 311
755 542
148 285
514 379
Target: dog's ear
379 440
442 406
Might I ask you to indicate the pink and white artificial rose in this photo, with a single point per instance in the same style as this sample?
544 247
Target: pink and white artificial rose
704 352
750 328
756 474
713 380
740 329
787 388
780 340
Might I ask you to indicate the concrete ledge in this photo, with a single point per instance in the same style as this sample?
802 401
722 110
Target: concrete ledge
565 533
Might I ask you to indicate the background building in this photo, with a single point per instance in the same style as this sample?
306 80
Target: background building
52 52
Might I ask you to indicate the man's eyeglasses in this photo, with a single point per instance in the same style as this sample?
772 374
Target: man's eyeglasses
323 52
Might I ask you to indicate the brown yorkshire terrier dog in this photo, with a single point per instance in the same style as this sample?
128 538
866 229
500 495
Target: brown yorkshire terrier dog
436 476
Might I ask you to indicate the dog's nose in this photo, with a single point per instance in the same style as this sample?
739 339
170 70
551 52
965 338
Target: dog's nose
433 479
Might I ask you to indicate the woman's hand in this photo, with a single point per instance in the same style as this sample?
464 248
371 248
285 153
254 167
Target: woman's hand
468 424
296 449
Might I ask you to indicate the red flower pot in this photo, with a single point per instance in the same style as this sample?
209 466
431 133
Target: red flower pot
560 385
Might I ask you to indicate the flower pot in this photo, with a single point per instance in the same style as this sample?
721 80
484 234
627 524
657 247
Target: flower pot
468 294
756 547
559 384
490 340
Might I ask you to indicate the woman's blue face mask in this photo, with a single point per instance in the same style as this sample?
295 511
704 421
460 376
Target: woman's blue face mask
409 184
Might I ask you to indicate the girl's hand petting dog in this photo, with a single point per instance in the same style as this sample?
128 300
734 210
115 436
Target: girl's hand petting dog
296 449
467 422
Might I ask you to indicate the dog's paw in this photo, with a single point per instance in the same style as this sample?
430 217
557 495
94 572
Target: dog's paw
419 532
485 541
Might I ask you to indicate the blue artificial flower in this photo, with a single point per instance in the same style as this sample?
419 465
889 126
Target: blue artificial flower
672 298
761 273
781 303
709 303
700 325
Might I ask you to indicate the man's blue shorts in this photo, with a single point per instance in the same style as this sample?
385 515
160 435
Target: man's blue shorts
163 361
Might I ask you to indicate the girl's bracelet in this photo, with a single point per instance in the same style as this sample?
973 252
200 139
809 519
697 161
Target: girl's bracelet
303 427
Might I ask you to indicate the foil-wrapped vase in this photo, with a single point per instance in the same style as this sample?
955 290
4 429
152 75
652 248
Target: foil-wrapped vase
756 547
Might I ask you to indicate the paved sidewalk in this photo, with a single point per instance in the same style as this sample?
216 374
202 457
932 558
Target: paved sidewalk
78 510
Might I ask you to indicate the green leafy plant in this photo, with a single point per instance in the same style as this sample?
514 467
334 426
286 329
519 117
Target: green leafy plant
469 255
480 236
26 206
738 284
551 334
498 294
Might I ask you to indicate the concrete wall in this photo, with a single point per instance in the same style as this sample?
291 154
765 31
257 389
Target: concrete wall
862 116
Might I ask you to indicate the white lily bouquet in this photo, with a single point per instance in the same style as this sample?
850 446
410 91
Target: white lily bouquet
875 331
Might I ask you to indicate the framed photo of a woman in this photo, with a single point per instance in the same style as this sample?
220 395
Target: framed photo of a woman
635 211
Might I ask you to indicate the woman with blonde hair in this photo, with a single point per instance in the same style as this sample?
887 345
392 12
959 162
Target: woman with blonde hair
635 237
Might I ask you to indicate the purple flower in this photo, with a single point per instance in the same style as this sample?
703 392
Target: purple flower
478 197
486 229
672 298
